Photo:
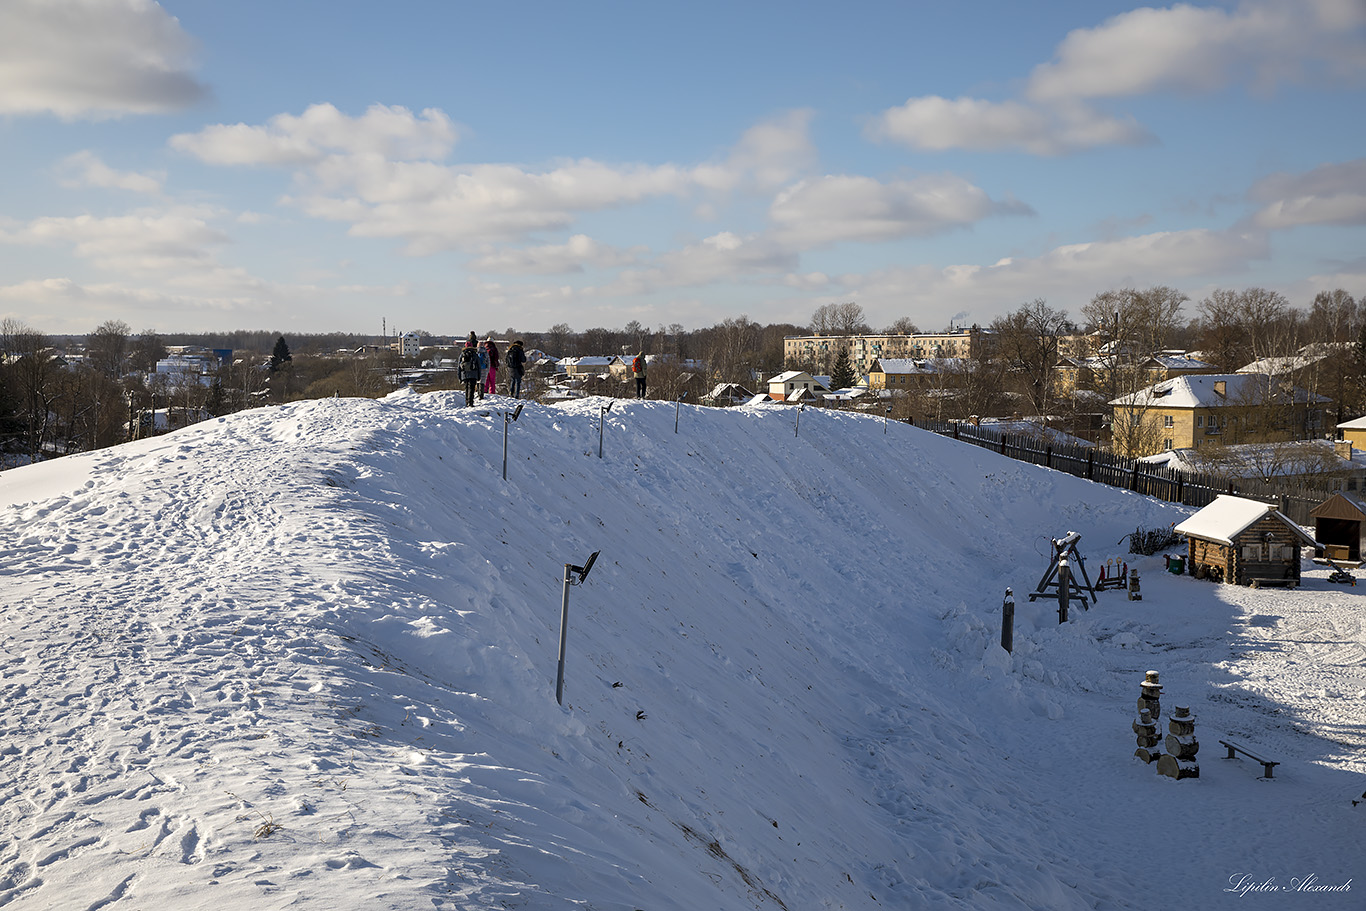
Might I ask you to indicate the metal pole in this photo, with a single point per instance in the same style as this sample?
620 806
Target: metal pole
506 421
602 419
1008 622
797 430
678 404
1064 583
564 628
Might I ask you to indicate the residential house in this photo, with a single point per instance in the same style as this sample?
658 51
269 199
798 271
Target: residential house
907 374
1244 542
727 394
1199 410
1353 432
1094 372
794 385
1333 462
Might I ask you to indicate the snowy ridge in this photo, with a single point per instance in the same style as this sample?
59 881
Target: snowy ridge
305 657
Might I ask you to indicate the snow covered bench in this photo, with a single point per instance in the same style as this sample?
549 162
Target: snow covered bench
1267 764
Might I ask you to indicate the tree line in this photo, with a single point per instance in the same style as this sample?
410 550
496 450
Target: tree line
71 393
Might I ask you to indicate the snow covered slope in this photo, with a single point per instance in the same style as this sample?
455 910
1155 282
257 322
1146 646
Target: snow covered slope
305 657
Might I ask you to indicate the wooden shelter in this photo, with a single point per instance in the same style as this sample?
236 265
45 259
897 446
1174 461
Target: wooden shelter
1245 542
1339 523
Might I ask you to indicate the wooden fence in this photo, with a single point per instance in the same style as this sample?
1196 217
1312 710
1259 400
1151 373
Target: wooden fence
1296 497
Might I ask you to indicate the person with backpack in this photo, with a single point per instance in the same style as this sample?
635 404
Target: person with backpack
491 382
483 367
469 370
638 368
516 359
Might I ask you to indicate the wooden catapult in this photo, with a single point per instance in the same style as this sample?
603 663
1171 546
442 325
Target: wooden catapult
1060 581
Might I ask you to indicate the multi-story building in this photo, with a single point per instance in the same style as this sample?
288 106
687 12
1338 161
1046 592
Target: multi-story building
1201 410
811 350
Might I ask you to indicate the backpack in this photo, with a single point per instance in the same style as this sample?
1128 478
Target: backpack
469 364
638 365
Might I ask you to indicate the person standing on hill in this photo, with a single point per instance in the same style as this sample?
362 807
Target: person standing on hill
469 370
491 384
516 360
483 368
638 368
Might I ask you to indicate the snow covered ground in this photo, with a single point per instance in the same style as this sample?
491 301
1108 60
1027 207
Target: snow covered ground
305 657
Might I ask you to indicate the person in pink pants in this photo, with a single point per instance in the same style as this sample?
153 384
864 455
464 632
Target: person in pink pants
491 382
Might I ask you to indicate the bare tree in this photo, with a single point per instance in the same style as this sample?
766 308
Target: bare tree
903 326
107 348
1027 341
839 319
145 350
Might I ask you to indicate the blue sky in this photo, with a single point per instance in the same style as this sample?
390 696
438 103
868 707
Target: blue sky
447 166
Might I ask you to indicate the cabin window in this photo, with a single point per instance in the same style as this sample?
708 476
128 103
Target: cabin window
1252 551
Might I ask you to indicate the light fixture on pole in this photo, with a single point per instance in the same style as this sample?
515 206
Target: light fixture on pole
602 421
569 572
677 402
508 418
885 418
796 431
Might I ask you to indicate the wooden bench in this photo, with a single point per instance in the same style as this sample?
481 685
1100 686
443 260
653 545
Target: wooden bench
1267 765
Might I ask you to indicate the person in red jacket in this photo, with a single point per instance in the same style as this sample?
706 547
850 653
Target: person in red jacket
491 383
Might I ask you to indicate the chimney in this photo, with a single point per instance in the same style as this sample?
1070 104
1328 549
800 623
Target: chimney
1343 448
1221 388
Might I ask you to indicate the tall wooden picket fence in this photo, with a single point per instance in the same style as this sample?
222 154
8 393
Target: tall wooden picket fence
1296 497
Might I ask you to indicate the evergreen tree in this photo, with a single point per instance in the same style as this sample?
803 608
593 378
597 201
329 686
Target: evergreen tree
842 373
280 355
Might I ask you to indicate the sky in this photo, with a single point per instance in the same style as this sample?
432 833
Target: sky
444 166
306 657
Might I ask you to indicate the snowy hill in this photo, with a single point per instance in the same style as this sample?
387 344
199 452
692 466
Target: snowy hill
305 657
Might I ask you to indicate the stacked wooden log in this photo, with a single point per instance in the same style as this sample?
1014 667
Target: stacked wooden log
1179 760
1149 711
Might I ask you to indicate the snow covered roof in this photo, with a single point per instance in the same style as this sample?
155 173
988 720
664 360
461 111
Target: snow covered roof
1201 390
1260 460
1229 516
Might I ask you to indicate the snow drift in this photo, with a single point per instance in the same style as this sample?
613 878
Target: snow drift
305 657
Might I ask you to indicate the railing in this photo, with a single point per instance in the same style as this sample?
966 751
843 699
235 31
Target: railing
1295 496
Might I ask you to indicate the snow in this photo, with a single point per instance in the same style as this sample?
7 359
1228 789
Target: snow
1229 516
305 657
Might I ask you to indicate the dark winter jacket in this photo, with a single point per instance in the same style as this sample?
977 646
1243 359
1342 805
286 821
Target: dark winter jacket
516 358
493 354
469 363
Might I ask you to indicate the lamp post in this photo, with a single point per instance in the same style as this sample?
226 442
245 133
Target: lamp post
569 572
508 418
885 417
797 429
677 406
602 422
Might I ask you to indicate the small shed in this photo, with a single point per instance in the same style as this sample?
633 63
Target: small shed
1245 542
1338 526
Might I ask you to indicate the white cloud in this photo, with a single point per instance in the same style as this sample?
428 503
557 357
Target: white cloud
767 156
93 58
1067 275
391 132
1333 194
85 169
834 209
151 243
937 124
1192 49
433 207
578 252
